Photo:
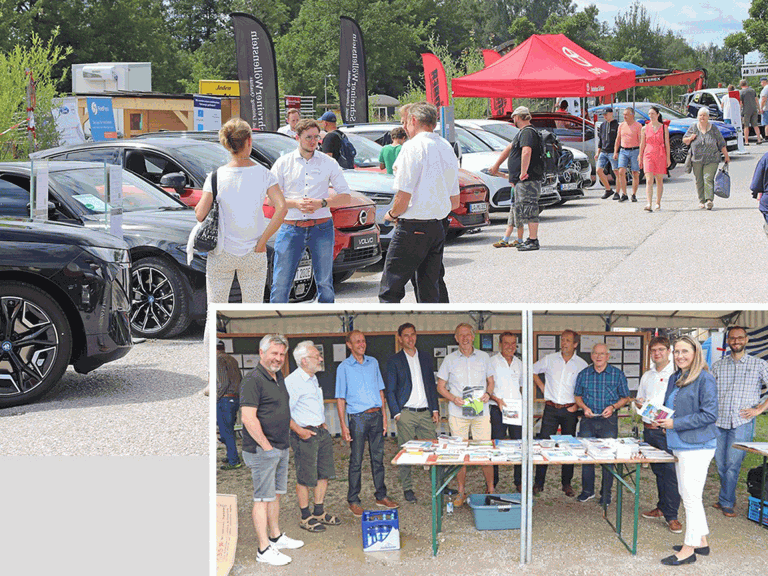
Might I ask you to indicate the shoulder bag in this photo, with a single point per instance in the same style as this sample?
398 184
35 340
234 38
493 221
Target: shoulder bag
723 182
208 233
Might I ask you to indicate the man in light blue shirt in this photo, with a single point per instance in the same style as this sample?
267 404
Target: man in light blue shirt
360 396
310 440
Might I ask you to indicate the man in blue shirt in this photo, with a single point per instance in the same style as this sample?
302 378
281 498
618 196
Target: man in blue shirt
601 390
360 396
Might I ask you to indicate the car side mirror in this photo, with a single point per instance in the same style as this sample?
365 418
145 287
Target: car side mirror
175 180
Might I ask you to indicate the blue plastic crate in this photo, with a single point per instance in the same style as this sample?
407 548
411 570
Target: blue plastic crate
754 510
496 516
381 530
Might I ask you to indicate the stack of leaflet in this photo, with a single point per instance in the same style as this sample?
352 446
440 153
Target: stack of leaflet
424 445
568 442
558 455
600 450
648 451
627 448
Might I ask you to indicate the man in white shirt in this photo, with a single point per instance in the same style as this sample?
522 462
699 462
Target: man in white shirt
507 385
560 370
653 387
732 113
310 440
292 117
467 375
427 185
764 104
409 378
304 177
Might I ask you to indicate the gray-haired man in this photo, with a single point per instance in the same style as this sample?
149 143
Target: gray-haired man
311 443
266 424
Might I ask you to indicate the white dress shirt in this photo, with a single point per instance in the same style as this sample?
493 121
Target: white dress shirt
508 377
653 384
428 170
299 178
418 397
560 376
305 398
287 130
470 372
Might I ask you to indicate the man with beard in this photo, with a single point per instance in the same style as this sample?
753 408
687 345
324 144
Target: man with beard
740 378
266 423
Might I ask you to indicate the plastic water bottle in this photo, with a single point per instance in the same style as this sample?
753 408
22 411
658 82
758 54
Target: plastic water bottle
449 507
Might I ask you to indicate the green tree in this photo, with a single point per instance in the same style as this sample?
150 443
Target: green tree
581 27
637 39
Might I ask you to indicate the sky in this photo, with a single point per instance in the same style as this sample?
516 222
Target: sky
698 21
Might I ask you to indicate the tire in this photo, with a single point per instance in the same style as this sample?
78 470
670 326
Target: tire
160 298
339 277
678 150
22 307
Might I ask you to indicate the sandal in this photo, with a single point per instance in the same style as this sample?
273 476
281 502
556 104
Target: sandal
648 208
312 524
328 519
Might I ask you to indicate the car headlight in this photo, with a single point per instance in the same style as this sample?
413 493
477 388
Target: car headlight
118 255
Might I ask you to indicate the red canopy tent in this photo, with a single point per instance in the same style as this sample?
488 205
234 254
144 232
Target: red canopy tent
544 66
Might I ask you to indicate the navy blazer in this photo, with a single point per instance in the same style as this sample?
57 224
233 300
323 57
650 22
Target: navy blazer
695 408
397 379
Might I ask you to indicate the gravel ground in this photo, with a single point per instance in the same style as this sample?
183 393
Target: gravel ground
148 403
568 537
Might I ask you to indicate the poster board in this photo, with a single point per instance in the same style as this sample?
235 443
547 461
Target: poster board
226 533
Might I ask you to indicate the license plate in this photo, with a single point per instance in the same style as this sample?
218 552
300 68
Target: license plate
478 207
569 186
363 241
303 273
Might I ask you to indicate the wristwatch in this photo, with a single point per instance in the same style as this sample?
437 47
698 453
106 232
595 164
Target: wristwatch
324 203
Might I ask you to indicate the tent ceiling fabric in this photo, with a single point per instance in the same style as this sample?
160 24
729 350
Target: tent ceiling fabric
544 66
298 321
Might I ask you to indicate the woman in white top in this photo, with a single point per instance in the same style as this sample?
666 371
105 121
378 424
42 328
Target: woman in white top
243 230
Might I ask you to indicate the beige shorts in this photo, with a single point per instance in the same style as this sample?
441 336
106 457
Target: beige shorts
479 427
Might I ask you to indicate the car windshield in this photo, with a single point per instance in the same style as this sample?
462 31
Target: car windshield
86 187
468 142
273 145
666 113
367 150
505 131
494 141
202 157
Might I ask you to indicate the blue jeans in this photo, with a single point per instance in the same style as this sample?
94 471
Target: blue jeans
598 427
666 477
366 427
226 415
290 242
729 460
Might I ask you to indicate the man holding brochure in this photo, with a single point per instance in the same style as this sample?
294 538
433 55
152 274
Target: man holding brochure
653 387
508 382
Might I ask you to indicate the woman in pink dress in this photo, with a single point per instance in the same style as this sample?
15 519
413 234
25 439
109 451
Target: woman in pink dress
654 156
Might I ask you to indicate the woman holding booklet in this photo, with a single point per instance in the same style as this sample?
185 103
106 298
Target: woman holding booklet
692 437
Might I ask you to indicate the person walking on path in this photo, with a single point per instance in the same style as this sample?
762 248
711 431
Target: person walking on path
427 185
606 143
654 156
305 176
749 111
740 378
692 437
626 150
707 144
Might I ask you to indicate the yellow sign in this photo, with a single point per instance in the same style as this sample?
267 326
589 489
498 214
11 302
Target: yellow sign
220 87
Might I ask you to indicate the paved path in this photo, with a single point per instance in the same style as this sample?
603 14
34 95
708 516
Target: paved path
603 251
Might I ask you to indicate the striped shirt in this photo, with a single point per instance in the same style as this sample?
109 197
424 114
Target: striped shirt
599 390
738 387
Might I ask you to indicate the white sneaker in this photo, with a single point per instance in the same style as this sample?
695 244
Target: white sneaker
286 542
657 207
273 556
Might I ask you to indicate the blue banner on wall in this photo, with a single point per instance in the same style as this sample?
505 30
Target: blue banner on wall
101 118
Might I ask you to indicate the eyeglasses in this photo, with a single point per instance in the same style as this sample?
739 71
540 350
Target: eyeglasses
736 338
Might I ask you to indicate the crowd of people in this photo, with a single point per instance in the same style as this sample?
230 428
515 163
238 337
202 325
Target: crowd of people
712 409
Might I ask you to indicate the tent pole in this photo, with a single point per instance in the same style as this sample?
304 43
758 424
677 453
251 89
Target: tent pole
527 440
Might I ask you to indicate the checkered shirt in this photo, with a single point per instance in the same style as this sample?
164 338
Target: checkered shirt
738 387
599 390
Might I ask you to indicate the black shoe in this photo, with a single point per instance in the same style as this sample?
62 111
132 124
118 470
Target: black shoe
616 196
673 561
634 198
704 550
409 496
608 194
530 244
624 198
450 492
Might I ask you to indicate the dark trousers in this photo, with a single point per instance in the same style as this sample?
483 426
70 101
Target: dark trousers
416 248
226 415
598 427
366 427
553 419
666 477
441 287
501 431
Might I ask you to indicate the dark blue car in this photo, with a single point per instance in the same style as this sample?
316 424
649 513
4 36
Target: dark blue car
678 125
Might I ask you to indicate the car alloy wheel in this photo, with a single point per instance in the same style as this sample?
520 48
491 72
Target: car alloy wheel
35 343
159 299
678 151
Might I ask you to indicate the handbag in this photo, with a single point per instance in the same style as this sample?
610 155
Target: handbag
723 182
208 233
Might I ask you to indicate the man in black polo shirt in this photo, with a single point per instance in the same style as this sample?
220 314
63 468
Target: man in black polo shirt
266 418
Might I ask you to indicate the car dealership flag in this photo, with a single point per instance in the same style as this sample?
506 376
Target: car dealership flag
257 72
499 106
353 89
435 80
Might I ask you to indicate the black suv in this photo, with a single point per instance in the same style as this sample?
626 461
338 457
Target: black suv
63 300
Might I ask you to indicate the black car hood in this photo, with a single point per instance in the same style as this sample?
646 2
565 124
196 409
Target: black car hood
153 227
56 233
